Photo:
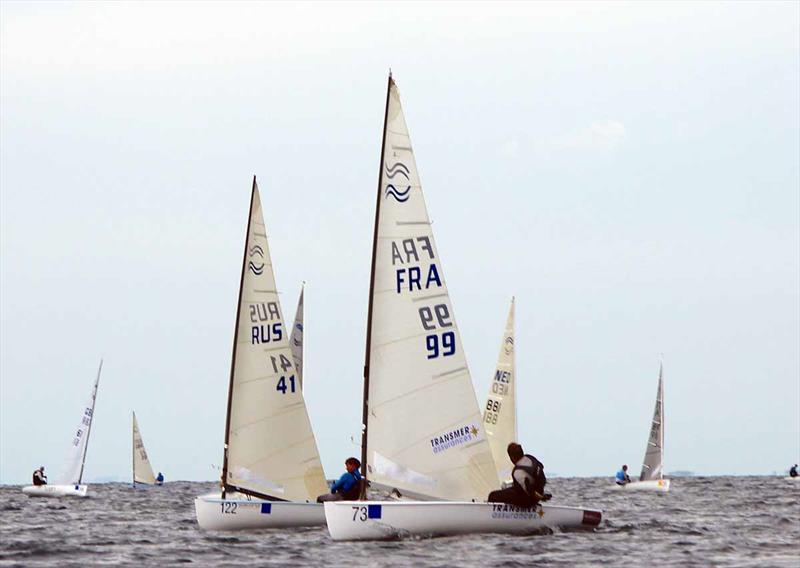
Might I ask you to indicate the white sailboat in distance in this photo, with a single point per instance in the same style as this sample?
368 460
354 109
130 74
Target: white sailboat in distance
271 470
70 481
423 433
652 476
142 470
500 412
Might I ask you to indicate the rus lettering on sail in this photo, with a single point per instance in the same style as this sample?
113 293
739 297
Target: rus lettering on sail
269 331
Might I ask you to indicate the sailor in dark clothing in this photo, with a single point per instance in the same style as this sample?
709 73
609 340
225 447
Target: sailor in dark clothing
793 471
348 486
39 478
529 481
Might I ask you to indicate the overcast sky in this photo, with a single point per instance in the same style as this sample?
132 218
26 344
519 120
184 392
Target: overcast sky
629 171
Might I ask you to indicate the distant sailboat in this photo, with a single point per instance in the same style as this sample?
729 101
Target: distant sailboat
500 412
69 483
142 470
423 433
652 476
271 470
296 338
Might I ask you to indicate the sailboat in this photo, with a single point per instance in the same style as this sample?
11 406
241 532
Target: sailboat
652 476
271 470
69 483
500 412
296 338
142 470
422 435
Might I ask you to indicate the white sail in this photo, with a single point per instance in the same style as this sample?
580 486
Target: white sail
296 338
142 470
653 466
500 412
271 450
72 471
422 413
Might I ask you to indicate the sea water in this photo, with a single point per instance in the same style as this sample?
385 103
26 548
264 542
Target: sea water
702 521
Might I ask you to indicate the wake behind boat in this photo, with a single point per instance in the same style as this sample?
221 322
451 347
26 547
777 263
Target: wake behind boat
69 482
416 375
652 476
271 471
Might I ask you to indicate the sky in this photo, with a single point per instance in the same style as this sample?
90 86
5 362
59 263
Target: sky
630 172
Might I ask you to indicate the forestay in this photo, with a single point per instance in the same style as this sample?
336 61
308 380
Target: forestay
652 468
270 447
72 472
142 470
296 338
424 431
500 413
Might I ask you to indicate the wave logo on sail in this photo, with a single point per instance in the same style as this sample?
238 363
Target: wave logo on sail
397 169
256 267
299 327
508 345
454 438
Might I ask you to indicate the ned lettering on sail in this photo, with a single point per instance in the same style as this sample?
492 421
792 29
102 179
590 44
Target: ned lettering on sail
265 312
408 251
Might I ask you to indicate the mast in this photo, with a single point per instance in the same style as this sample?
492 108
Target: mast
661 403
133 447
365 408
235 340
89 430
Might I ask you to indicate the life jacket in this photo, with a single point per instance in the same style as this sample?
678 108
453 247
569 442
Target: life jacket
38 479
528 475
354 493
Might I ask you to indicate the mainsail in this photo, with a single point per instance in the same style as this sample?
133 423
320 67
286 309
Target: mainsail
653 466
142 470
500 412
270 450
296 338
72 472
423 431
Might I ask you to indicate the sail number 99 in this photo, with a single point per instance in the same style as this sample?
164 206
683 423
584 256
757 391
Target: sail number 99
444 345
432 318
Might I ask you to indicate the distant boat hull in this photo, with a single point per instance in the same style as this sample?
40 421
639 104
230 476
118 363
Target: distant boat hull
55 490
380 520
795 478
657 485
240 513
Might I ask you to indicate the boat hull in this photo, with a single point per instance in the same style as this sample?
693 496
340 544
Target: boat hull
656 485
55 490
378 520
240 513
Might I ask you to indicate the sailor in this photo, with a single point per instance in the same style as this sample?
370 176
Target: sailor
528 477
793 471
39 478
160 478
348 486
622 476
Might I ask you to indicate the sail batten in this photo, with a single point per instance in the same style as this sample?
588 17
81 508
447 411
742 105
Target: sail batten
423 427
269 440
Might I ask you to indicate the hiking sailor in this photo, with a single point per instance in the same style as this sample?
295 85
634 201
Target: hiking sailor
39 478
622 477
528 480
348 487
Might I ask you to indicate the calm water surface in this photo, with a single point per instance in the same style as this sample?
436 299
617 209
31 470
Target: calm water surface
711 521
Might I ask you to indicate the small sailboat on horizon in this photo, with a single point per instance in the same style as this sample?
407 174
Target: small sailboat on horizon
652 475
271 469
70 481
142 471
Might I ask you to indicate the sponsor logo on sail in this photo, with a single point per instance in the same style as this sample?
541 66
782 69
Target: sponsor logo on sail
454 438
397 169
508 345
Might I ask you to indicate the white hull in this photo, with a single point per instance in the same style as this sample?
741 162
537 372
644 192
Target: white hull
240 513
657 485
376 520
55 490
790 478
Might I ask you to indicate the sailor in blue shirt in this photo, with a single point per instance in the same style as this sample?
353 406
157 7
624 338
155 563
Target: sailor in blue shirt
348 486
622 476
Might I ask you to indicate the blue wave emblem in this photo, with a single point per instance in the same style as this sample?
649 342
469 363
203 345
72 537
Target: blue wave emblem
256 249
396 168
257 269
299 326
400 196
